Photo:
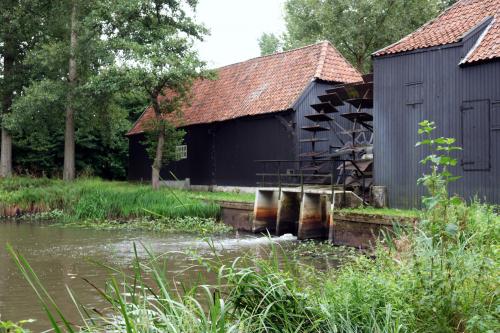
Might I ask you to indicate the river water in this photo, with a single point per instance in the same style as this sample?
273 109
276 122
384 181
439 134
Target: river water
63 256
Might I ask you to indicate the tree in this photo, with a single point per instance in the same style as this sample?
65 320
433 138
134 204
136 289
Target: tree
153 43
269 44
37 124
19 33
92 59
67 84
69 133
357 28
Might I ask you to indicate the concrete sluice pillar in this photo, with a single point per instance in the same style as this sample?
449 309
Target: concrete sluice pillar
331 225
288 213
265 210
314 216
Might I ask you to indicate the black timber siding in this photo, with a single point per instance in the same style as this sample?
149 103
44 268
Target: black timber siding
223 153
139 164
431 85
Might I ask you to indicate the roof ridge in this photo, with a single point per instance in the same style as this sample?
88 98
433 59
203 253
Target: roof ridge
342 56
329 47
270 55
322 59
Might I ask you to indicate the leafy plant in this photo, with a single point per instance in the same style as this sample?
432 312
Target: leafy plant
450 254
440 161
11 327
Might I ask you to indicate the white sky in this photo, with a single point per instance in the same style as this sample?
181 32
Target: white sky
235 26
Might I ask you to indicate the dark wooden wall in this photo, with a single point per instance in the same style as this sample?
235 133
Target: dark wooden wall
139 164
224 153
464 101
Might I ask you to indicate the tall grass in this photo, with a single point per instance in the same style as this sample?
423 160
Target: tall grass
97 199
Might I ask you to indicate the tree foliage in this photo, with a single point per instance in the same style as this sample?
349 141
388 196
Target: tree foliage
357 28
269 44
20 31
173 138
37 121
127 53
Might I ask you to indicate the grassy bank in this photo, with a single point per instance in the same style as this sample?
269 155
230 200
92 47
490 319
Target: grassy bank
410 213
105 204
95 198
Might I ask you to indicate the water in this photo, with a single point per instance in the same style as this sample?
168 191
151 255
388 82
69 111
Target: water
63 256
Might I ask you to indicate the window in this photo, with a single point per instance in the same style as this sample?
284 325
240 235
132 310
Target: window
495 116
414 93
476 135
181 152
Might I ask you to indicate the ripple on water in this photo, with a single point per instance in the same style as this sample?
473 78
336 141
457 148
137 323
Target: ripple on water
62 256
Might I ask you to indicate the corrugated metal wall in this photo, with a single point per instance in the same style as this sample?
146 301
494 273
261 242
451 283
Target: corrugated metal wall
431 85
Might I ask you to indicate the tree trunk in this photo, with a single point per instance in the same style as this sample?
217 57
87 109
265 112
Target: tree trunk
6 155
360 63
157 163
8 71
69 134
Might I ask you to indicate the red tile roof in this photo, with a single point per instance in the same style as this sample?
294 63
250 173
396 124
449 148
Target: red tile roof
452 25
262 85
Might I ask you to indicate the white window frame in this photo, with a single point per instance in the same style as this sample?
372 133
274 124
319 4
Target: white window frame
181 152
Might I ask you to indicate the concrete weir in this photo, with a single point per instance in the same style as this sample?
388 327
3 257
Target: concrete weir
287 220
305 214
310 214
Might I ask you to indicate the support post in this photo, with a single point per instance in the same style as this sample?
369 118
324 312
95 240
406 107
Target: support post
265 210
313 216
343 184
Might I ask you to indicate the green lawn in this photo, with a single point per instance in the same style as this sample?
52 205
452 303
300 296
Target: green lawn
222 196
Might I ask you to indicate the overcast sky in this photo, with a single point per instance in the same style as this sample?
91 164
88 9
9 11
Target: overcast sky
235 26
